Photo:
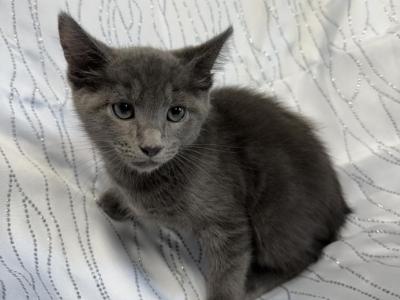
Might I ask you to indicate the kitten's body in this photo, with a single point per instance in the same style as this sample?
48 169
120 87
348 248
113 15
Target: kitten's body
242 185
251 180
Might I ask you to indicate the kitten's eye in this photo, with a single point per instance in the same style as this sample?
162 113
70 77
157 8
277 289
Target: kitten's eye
123 110
176 113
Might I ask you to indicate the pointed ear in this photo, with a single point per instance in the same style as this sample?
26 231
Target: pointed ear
86 57
202 59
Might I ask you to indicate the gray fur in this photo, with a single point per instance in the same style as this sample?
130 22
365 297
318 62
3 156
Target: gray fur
249 178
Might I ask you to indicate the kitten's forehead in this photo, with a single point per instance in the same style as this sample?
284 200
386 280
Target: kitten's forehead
152 68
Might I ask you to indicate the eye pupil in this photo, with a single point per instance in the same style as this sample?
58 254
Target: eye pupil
123 110
176 113
124 107
176 110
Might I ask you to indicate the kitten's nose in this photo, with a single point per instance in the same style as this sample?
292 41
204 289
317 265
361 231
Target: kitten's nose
151 151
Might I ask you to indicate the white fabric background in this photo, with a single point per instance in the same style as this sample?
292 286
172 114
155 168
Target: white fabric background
335 61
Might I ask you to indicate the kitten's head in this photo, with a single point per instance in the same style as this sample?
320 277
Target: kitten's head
139 105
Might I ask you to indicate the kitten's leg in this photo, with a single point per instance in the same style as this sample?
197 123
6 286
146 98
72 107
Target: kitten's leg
260 281
112 203
281 251
228 262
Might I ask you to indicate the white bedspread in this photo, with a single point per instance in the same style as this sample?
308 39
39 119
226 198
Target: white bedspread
335 61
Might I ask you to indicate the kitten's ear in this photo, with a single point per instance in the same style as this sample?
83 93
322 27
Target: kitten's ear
202 59
86 57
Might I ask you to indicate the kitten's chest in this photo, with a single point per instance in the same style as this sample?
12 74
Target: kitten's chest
185 207
168 207
191 201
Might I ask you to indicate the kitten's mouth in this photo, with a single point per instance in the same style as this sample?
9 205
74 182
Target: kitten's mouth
148 163
145 166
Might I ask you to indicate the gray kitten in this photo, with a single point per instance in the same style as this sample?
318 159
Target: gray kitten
249 178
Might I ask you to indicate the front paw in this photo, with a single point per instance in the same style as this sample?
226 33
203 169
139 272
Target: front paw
113 206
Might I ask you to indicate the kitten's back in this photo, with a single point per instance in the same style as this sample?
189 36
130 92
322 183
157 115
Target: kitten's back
294 197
